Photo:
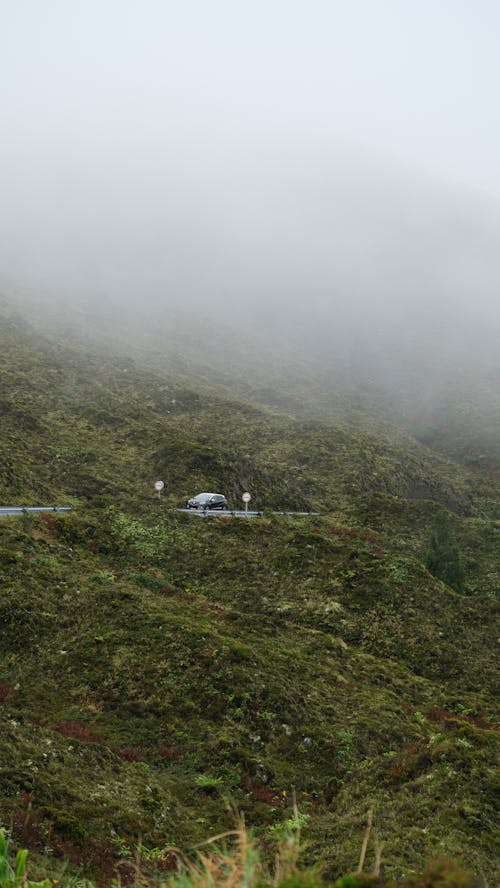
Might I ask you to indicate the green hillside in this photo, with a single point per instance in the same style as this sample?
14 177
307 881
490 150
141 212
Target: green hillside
78 423
156 665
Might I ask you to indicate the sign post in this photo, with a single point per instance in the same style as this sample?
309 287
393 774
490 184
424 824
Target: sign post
159 485
246 499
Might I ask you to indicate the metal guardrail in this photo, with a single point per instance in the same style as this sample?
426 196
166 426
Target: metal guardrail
202 513
238 513
25 510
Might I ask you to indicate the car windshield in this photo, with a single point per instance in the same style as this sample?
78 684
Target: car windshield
203 497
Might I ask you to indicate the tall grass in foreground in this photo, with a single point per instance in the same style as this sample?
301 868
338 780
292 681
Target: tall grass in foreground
235 860
242 865
15 876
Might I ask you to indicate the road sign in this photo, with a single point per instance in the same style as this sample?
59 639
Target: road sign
246 499
159 485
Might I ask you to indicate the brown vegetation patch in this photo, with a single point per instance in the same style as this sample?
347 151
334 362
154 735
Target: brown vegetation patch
170 753
216 607
406 707
130 755
411 761
77 731
264 794
493 474
28 826
7 692
349 533
49 523
35 830
99 857
446 716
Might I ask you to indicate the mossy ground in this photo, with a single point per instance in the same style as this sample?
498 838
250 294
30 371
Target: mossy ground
153 668
155 664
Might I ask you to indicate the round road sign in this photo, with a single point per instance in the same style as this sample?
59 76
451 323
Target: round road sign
159 485
246 497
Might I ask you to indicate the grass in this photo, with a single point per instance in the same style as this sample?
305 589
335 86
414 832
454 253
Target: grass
14 875
155 666
235 859
135 703
78 424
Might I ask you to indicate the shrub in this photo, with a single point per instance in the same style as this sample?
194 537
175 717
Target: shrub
443 556
15 876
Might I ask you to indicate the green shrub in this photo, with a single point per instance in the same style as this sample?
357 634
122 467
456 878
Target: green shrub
207 783
15 876
443 556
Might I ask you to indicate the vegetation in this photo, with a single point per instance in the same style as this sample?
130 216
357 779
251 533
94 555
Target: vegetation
14 875
160 670
236 860
443 558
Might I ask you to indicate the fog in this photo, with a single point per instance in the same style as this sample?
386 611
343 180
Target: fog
323 175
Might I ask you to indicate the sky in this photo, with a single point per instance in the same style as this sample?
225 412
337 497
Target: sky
281 162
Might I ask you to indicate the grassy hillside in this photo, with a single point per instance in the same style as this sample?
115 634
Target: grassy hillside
151 668
79 423
449 404
156 665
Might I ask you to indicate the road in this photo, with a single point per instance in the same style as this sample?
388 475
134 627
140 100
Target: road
233 513
22 510
209 513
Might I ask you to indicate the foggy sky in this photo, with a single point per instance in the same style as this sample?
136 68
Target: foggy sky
314 167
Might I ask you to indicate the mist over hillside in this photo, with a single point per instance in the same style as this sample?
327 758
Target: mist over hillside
272 262
249 247
447 397
300 183
339 258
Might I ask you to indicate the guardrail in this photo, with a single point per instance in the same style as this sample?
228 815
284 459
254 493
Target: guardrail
25 510
238 513
202 513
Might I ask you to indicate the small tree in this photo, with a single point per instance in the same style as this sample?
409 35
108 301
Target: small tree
443 555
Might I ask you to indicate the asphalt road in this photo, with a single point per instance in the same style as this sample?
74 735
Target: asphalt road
234 513
22 510
209 513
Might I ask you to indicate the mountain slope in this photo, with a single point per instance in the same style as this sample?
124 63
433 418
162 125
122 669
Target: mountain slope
154 663
379 383
152 668
79 423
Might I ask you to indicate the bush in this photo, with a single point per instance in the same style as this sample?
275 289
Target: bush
443 556
15 876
